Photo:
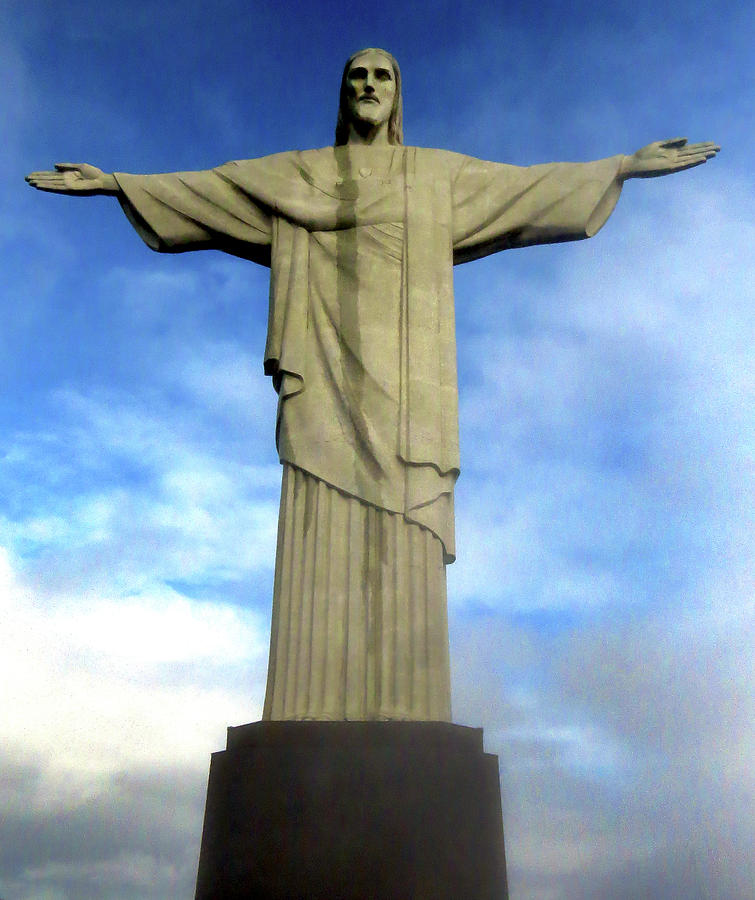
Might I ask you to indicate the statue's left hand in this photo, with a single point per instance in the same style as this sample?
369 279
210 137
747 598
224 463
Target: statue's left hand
665 157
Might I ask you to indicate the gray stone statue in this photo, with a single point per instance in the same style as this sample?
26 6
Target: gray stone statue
361 239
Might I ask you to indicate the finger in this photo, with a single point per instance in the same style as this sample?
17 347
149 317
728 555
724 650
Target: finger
68 167
674 142
690 163
692 157
704 147
704 154
46 172
45 179
50 188
47 182
694 151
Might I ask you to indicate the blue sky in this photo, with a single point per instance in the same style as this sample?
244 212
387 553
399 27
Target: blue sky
602 603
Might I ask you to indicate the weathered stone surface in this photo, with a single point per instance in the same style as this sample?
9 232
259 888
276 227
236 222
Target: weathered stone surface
361 239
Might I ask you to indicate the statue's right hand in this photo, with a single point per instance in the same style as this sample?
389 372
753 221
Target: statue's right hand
78 179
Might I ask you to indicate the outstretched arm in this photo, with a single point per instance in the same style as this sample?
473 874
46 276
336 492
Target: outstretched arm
76 179
665 157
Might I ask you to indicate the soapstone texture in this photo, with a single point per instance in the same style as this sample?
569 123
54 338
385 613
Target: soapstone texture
361 239
361 242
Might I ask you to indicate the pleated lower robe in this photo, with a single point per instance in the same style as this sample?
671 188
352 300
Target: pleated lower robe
359 625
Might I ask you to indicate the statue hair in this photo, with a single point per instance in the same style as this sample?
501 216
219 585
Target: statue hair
395 121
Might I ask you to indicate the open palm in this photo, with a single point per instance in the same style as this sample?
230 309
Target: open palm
665 157
78 179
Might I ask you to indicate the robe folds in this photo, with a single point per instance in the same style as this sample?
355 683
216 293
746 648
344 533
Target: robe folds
361 242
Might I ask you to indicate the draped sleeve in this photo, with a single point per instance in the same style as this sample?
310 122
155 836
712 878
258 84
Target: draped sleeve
498 206
202 210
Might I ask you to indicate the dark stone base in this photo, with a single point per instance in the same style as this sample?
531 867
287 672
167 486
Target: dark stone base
353 811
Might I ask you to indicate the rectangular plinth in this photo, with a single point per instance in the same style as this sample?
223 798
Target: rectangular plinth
353 811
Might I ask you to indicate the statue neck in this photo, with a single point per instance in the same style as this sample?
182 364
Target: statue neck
367 134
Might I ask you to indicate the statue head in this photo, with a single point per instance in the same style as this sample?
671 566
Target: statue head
349 105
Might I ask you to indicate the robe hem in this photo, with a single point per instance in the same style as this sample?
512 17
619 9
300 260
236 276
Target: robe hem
448 558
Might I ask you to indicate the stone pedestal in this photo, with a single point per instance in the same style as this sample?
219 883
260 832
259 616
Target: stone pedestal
353 811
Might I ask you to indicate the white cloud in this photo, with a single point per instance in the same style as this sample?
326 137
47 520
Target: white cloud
620 745
96 684
606 411
135 872
161 627
122 496
120 672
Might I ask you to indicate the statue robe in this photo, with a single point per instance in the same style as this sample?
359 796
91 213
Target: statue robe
361 348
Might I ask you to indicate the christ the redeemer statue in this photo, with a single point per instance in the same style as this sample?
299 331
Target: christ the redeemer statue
361 239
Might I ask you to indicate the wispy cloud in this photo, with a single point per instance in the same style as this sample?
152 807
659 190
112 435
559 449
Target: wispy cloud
112 704
609 507
602 428
623 746
138 669
128 496
601 607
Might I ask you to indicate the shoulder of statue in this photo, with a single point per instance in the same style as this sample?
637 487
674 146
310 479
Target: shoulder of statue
432 164
326 155
321 167
291 167
273 160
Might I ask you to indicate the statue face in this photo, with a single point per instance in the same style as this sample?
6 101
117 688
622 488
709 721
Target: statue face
371 88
